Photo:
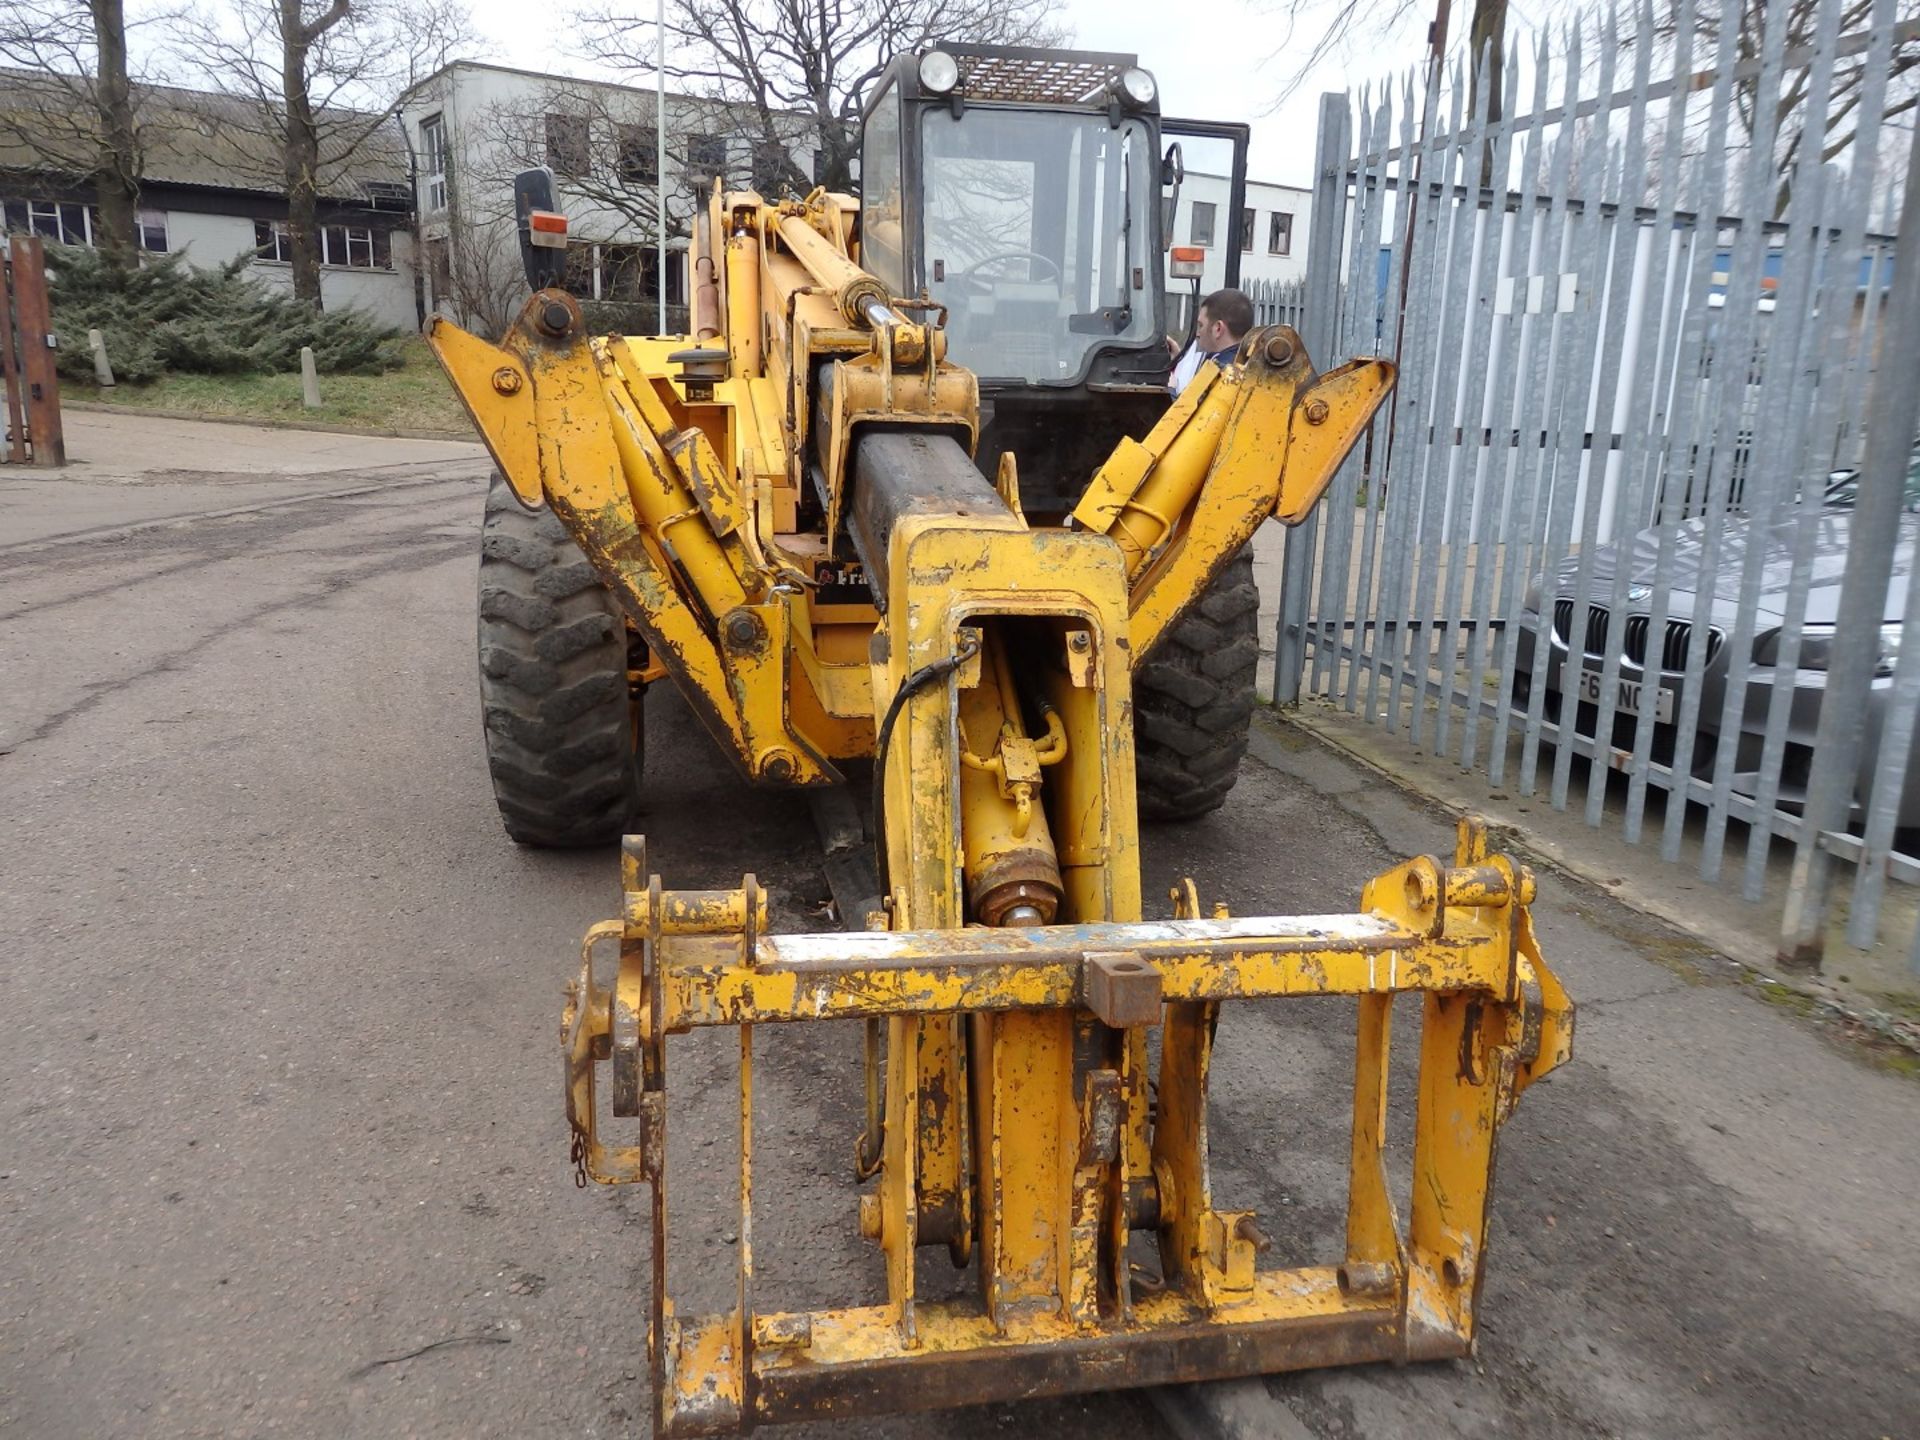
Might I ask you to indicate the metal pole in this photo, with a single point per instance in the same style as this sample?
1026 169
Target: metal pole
660 159
1893 417
1323 331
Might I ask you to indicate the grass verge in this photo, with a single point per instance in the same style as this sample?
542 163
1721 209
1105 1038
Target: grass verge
416 396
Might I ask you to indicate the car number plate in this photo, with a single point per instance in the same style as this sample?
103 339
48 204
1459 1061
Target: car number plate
1628 697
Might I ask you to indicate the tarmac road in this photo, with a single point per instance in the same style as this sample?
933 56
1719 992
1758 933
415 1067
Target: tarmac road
280 1138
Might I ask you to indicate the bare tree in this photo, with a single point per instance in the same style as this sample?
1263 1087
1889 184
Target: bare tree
1334 25
817 59
76 110
480 278
1794 127
322 79
601 143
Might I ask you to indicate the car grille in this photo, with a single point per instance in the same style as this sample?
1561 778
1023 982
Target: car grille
1633 644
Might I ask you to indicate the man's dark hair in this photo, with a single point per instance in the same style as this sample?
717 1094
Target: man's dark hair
1231 308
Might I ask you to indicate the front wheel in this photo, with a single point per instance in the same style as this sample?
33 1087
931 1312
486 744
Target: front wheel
1193 699
561 716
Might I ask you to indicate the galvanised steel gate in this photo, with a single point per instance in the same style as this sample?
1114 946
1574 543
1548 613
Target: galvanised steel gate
1643 496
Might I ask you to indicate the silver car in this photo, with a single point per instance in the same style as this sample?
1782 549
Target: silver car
1652 671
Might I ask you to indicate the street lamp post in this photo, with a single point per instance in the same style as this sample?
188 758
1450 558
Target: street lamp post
660 159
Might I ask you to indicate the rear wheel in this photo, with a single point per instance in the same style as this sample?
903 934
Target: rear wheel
1193 700
562 721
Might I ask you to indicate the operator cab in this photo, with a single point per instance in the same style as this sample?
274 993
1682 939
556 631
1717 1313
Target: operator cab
1021 190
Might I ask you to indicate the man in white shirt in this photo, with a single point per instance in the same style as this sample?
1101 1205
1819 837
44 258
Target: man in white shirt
1222 322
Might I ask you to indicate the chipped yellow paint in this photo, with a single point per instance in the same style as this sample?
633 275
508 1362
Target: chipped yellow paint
1051 1203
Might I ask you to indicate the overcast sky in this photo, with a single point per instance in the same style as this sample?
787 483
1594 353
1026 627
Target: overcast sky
1215 60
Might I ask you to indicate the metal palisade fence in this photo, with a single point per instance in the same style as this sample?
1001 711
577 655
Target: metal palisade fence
1604 540
1278 302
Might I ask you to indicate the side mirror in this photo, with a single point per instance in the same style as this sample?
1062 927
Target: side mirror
1173 166
1173 169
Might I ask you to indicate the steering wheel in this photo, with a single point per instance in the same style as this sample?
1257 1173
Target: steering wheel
1053 268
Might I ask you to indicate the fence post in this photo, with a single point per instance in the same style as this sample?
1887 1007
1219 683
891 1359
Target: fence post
1892 418
37 377
1328 229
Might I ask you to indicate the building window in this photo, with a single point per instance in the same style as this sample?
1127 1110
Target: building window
150 230
1246 230
62 221
569 145
1201 225
1280 234
355 247
707 158
272 242
622 272
770 168
638 154
68 223
433 160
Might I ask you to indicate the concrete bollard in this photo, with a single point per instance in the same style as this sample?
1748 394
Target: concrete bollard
102 370
309 379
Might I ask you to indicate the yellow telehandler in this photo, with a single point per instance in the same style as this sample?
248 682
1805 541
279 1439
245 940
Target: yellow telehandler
913 493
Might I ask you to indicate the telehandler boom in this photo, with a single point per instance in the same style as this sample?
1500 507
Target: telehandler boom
843 519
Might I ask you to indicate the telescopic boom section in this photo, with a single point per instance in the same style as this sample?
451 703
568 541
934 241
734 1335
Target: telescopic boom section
786 509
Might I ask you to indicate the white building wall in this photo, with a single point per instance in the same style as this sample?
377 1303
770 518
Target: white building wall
386 295
209 240
478 104
1258 263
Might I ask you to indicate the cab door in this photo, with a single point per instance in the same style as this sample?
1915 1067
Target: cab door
1202 195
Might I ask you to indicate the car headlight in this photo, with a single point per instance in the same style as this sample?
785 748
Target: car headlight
1137 86
1816 648
939 72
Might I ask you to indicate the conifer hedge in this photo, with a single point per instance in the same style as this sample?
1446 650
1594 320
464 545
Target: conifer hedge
165 316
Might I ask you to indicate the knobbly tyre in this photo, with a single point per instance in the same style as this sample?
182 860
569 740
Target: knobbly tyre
912 493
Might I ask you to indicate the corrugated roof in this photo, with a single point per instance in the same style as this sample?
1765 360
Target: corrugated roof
197 137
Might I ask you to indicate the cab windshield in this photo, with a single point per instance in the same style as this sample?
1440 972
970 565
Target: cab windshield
1037 237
